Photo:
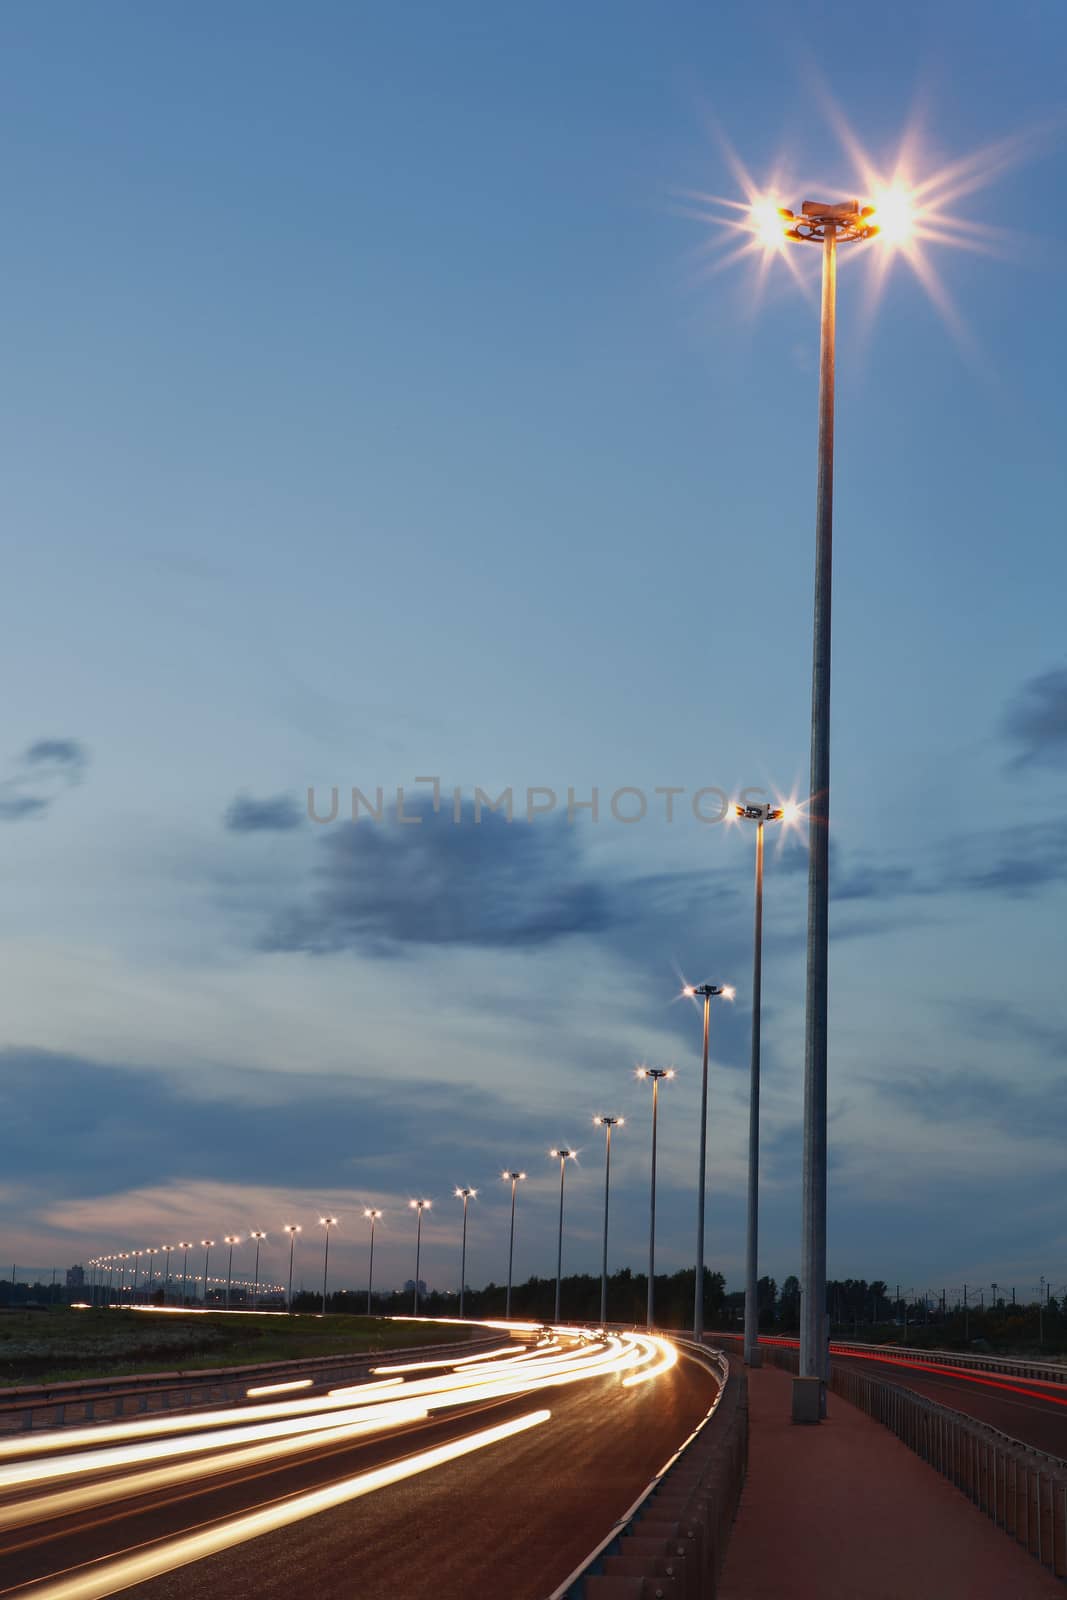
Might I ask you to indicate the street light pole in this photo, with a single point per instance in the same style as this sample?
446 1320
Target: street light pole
231 1239
563 1156
827 226
207 1243
707 992
759 814
184 1245
464 1195
168 1248
327 1223
373 1215
656 1074
258 1235
516 1178
292 1229
607 1123
420 1206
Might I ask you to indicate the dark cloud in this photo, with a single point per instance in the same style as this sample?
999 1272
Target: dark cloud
1035 721
277 814
384 886
44 769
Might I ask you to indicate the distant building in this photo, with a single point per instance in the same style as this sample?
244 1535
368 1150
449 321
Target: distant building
75 1277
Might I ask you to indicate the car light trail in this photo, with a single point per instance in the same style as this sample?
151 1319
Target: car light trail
110 1577
279 1388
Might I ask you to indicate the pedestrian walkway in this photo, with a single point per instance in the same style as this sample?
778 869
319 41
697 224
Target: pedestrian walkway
844 1511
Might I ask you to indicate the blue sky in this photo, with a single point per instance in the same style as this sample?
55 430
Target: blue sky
371 412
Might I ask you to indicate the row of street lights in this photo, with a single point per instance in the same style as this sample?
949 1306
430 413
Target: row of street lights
760 815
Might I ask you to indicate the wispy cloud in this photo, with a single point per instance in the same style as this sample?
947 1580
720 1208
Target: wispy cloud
43 770
1035 721
276 814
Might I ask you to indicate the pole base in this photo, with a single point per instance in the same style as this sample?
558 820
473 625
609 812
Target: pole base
807 1400
754 1358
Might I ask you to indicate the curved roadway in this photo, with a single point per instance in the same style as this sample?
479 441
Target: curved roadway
479 1476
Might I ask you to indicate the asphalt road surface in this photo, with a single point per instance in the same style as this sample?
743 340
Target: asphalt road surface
485 1477
1025 1408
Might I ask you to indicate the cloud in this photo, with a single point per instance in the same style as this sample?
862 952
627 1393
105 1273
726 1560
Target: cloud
500 884
277 814
43 770
1035 721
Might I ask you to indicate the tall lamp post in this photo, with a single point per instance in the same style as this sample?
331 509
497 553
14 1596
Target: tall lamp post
231 1239
207 1244
563 1156
465 1195
826 226
258 1235
373 1217
514 1178
760 815
420 1206
607 1123
185 1245
706 992
168 1251
656 1075
136 1270
327 1223
292 1229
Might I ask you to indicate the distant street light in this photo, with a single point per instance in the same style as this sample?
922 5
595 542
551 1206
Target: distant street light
464 1195
563 1156
168 1248
207 1244
420 1206
656 1075
185 1245
231 1239
607 1123
327 1223
373 1216
515 1178
292 1229
707 992
150 1270
759 814
258 1235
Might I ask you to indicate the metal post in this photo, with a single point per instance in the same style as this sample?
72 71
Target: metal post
813 1348
751 1345
698 1278
185 1272
292 1245
207 1257
652 1212
370 1269
325 1267
966 1318
511 1245
463 1257
255 1289
229 1276
559 1249
608 1124
418 1253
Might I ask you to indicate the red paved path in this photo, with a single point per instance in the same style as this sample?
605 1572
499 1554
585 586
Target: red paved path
844 1511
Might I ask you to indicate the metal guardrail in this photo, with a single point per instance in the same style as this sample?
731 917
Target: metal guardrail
91 1400
1023 1491
1006 1366
672 1540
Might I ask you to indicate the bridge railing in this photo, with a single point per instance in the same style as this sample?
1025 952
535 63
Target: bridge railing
1021 1490
966 1360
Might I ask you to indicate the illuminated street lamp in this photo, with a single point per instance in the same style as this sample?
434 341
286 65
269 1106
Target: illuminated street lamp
185 1245
292 1229
707 992
136 1270
150 1270
563 1156
759 814
825 226
514 1178
258 1235
373 1217
327 1223
464 1195
231 1239
656 1076
607 1123
420 1206
167 1249
207 1244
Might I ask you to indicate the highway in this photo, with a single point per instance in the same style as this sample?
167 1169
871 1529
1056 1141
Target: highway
491 1474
